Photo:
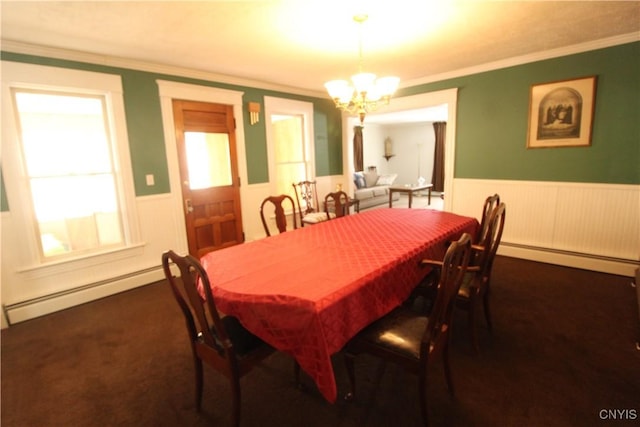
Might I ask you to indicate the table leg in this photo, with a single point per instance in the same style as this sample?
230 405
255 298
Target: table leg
390 198
410 197
429 197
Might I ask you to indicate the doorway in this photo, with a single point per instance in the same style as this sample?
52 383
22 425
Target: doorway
406 105
168 92
207 154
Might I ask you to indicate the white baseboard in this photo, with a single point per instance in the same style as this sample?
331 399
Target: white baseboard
586 262
20 312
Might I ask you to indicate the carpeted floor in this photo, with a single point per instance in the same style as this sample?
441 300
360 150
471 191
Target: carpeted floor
563 350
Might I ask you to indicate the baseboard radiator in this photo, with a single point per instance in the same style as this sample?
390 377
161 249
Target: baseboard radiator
25 310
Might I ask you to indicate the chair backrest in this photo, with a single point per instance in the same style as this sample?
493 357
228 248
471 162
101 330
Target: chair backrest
201 316
454 267
279 203
306 197
490 204
491 241
340 202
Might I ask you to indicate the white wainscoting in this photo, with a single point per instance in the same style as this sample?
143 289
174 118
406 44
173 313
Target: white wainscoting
29 292
583 225
590 226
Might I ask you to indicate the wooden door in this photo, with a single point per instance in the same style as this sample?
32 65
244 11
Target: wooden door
205 134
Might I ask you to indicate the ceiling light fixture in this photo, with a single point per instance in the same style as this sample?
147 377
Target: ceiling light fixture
365 92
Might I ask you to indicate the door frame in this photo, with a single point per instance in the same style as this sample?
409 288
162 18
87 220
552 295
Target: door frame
412 102
172 90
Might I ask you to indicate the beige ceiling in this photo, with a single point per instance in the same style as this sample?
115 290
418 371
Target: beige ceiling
301 44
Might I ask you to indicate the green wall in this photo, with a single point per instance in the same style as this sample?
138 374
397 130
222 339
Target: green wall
492 120
4 203
146 135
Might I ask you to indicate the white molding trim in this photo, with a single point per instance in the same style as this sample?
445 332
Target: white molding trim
48 304
110 61
525 59
107 85
567 259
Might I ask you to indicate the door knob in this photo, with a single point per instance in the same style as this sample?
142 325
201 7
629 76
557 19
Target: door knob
188 206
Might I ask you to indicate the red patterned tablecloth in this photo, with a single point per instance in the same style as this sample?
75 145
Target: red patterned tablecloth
307 292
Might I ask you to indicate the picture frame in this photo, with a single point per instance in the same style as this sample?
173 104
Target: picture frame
561 113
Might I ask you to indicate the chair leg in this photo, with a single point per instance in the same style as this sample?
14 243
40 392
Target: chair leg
487 312
422 392
349 361
296 375
472 324
235 394
447 370
198 371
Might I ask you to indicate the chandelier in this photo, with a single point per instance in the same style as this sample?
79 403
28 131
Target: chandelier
365 92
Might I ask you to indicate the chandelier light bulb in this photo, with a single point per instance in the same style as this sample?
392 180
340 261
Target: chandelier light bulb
387 85
362 82
364 93
339 90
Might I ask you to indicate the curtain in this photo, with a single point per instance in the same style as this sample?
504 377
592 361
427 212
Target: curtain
437 179
358 161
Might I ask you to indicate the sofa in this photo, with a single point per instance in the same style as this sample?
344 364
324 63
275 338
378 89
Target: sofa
372 189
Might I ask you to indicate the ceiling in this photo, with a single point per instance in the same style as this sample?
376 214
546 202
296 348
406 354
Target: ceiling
297 45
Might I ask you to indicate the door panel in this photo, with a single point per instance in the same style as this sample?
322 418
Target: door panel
205 134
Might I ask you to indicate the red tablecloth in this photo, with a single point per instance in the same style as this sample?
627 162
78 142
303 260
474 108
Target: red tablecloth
307 292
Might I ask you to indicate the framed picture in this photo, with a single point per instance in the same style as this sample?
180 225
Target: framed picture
561 113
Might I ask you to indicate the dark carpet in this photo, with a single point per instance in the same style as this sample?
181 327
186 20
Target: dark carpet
562 353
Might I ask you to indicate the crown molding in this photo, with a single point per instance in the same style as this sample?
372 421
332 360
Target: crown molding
525 59
110 61
116 62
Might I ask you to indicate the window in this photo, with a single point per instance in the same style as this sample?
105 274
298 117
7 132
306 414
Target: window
290 153
66 164
290 143
208 159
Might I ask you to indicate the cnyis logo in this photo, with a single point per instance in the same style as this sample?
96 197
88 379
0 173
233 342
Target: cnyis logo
618 414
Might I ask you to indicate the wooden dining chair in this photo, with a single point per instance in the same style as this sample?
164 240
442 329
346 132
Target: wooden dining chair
425 289
219 341
490 203
307 201
279 204
411 338
476 286
339 201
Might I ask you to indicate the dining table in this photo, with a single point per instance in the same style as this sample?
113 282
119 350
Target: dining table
306 292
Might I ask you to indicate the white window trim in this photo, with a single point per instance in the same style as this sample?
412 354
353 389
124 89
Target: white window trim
39 77
275 106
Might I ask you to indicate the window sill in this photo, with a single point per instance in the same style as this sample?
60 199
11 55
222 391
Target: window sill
84 261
